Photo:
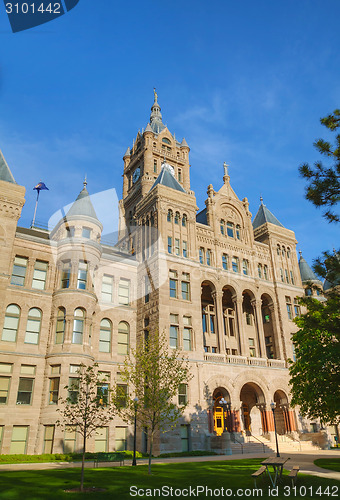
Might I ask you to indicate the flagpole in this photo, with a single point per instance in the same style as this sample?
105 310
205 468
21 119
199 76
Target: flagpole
36 206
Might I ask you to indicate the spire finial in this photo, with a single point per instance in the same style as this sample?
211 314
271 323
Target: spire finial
85 181
225 166
261 199
155 95
300 252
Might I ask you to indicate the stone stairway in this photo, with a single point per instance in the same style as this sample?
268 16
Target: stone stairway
286 445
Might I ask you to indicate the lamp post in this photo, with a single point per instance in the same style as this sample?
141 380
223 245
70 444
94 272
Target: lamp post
135 431
272 405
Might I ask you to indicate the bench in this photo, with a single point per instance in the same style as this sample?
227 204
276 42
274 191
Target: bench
108 457
293 473
258 473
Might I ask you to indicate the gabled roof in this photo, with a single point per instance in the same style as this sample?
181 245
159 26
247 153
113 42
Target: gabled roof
166 178
307 274
82 206
5 173
264 215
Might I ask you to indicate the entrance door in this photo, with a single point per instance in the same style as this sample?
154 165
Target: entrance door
246 418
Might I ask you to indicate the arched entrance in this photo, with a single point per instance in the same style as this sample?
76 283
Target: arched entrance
222 418
281 413
253 416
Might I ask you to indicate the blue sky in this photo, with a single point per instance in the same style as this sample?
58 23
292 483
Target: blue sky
244 82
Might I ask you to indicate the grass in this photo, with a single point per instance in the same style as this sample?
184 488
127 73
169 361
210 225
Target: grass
328 463
58 457
234 474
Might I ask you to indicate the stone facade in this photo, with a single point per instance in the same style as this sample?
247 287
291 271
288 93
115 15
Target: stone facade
222 287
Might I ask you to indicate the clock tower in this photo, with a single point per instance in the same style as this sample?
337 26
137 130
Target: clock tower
143 163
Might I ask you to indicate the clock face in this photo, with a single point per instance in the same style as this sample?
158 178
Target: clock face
172 170
136 175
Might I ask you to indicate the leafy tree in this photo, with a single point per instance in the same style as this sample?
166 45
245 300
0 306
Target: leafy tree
153 375
86 407
324 181
328 267
315 374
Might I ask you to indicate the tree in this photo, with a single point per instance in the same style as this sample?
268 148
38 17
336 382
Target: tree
153 375
315 374
87 406
324 182
328 267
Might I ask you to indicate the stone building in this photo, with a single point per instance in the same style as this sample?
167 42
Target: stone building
222 286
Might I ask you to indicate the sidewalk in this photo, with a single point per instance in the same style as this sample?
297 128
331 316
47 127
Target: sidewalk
304 459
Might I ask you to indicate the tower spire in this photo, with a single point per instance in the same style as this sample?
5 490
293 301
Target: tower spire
156 115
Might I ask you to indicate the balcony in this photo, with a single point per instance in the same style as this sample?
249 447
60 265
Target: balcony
244 360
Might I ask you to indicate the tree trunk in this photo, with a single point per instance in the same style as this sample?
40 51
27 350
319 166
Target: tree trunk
83 463
150 452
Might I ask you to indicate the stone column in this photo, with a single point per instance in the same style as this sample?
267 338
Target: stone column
237 301
217 297
278 340
256 304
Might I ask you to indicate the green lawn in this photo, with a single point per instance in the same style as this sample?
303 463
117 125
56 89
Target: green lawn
328 463
50 484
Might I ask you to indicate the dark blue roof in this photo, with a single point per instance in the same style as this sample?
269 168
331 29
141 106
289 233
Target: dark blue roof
166 178
201 217
264 215
307 274
82 206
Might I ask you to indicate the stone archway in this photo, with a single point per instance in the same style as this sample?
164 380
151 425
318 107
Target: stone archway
222 419
281 413
253 401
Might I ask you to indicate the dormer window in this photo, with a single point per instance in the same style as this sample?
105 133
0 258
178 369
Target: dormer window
166 140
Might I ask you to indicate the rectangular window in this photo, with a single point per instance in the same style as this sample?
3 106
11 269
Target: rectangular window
48 439
103 393
177 247
225 261
245 266
281 273
208 257
230 229
201 255
6 367
289 307
169 244
187 333
252 350
70 438
185 437
73 389
25 391
54 390
70 232
82 275
182 394
86 232
234 264
265 272
107 288
4 389
173 284
179 175
120 438
19 271
249 318
19 440
287 277
185 286
155 166
297 309
147 290
185 248
292 277
100 440
124 292
65 275
39 275
174 330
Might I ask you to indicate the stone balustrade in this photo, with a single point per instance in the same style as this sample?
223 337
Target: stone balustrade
244 360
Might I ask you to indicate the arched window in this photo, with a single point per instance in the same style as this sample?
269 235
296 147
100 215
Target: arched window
283 251
11 324
288 252
169 217
177 218
60 326
225 261
245 267
278 250
184 220
201 255
123 338
259 270
238 232
33 326
105 335
222 227
265 272
166 140
78 326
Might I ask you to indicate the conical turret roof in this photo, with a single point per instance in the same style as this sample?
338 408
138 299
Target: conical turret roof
264 215
307 274
5 173
82 206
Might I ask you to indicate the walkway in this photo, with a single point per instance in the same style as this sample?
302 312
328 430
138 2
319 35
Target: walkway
304 459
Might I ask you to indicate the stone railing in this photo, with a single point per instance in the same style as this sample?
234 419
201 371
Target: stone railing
244 360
